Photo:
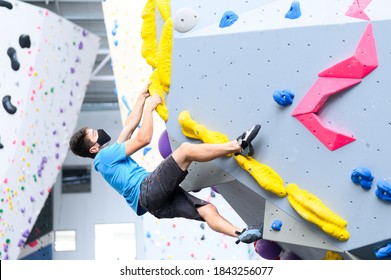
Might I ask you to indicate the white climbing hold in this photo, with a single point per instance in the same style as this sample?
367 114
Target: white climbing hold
185 19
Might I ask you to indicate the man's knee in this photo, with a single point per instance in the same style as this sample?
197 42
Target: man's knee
207 210
184 148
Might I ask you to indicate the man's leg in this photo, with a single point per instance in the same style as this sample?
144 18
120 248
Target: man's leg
216 222
188 152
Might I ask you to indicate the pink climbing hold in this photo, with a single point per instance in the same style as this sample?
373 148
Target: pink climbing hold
357 8
363 62
317 96
331 139
340 76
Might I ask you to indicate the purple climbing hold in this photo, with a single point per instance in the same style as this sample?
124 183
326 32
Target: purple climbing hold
164 145
267 249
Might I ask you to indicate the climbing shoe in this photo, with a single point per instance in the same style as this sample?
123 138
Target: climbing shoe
245 139
250 234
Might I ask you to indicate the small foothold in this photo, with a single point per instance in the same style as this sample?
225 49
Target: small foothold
276 225
294 12
24 41
363 177
11 109
283 97
14 60
383 191
384 252
6 4
228 19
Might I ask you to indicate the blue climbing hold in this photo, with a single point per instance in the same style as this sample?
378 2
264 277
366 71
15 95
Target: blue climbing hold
276 225
363 177
294 12
146 150
228 19
384 252
125 102
383 191
283 97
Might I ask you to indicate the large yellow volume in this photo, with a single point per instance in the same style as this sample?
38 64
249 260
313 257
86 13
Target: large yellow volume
263 174
148 34
266 177
313 210
164 8
330 255
192 129
156 88
164 55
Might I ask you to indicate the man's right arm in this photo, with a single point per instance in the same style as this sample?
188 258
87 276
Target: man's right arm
145 133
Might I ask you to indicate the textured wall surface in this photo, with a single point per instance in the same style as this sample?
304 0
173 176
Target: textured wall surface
45 64
225 77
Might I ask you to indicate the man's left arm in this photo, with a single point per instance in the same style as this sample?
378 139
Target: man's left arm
133 120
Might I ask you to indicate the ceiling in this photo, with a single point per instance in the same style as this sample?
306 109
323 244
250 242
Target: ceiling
88 14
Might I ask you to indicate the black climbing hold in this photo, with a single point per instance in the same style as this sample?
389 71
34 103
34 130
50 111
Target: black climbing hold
6 4
1 145
24 41
14 60
11 109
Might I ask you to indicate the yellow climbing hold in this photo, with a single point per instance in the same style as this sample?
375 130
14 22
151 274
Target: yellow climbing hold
148 34
192 129
164 8
313 210
156 88
330 255
164 55
266 177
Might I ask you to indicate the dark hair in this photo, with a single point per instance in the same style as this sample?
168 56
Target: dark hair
80 145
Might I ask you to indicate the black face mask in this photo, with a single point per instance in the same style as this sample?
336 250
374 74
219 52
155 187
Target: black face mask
103 137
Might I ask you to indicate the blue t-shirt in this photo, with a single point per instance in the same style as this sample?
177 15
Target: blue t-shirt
122 173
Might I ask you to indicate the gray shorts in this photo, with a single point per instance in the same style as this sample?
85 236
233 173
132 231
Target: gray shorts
161 195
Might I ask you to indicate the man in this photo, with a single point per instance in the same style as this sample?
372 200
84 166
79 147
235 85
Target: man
158 192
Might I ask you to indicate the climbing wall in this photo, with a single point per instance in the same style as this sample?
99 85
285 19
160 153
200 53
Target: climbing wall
45 64
314 74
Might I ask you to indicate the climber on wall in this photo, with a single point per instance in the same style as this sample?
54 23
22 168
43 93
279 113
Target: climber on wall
158 192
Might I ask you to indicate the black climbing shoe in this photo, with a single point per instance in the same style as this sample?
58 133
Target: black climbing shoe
245 139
